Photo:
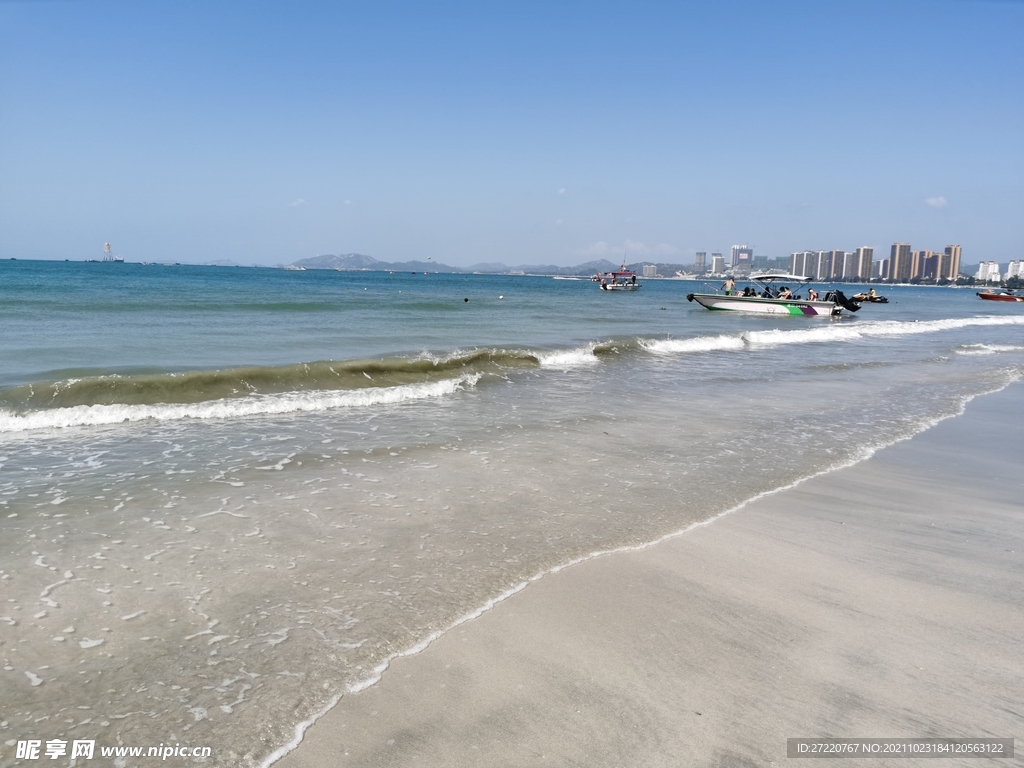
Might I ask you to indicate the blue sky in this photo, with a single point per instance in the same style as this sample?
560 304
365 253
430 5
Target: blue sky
547 132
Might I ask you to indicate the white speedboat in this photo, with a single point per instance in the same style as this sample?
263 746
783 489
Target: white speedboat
773 296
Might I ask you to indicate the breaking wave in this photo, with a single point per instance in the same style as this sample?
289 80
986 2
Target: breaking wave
323 385
257 405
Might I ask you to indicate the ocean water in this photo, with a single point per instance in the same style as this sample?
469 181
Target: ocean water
229 496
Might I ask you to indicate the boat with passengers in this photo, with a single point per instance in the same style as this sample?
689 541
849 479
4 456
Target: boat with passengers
621 280
771 294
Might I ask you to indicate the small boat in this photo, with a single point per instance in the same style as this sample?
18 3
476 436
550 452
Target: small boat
773 297
294 268
621 280
994 295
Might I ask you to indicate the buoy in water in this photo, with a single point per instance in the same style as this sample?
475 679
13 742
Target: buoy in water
466 300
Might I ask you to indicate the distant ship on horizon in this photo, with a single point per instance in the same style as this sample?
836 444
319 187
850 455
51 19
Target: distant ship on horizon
108 256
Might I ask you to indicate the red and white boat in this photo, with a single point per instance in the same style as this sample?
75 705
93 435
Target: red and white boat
991 295
622 280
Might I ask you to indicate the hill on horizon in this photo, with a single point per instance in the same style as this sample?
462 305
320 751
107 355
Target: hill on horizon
362 262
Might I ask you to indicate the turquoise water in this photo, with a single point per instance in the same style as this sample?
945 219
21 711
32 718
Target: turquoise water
229 495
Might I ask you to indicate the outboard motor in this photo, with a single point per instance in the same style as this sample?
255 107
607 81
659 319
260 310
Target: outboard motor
844 302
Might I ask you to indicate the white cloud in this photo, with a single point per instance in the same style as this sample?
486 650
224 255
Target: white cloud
561 191
558 221
642 249
600 248
294 203
936 202
632 248
348 202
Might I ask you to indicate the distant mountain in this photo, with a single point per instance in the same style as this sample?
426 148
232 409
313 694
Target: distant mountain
543 269
359 261
343 261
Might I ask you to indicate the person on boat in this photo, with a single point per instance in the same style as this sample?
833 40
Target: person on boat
785 293
634 279
872 294
812 295
729 285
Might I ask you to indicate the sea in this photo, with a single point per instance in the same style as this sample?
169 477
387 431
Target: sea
230 496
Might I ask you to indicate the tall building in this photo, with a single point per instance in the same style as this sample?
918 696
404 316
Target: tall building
863 257
900 262
742 255
823 265
700 261
919 263
650 270
1014 269
988 271
930 266
949 263
717 263
798 263
836 263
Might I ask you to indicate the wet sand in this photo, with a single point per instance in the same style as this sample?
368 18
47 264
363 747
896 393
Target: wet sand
881 600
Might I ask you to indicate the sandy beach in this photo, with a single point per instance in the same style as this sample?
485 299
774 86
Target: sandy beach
880 600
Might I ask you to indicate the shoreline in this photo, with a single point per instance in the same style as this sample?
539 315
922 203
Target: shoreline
423 658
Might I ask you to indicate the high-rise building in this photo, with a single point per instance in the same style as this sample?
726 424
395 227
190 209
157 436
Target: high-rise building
717 263
836 262
1014 269
863 257
918 263
798 263
949 263
742 255
700 261
988 271
930 265
650 270
900 262
823 265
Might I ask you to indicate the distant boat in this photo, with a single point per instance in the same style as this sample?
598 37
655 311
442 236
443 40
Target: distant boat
294 268
109 257
622 280
991 295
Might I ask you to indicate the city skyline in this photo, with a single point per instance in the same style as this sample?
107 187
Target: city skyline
525 133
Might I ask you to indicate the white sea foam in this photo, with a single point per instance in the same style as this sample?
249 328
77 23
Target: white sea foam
256 405
896 328
987 349
803 336
697 344
823 334
568 358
